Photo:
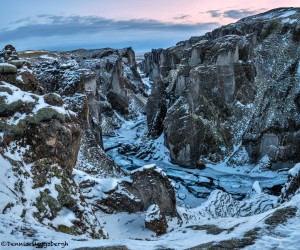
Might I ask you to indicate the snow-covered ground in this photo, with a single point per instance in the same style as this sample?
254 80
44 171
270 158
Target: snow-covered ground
128 230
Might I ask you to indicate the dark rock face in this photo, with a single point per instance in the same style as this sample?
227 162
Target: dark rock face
53 99
9 53
228 87
50 132
156 109
22 78
55 140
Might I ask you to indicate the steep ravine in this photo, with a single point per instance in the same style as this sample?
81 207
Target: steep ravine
193 186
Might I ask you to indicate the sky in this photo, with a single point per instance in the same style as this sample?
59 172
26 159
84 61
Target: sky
142 25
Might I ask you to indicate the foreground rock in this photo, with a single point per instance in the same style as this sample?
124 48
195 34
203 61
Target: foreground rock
48 137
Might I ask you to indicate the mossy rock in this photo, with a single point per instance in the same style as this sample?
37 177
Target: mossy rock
6 89
6 68
40 171
17 63
45 114
54 99
65 197
17 106
210 229
67 230
43 202
281 216
235 243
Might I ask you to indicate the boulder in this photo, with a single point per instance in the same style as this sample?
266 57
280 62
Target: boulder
53 99
156 221
141 192
7 69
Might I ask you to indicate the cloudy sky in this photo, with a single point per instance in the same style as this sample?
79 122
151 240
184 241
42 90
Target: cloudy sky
73 24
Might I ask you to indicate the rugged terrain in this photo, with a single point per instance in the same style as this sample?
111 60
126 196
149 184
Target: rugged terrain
237 86
200 140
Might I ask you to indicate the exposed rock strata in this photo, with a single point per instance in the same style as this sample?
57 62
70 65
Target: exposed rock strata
230 86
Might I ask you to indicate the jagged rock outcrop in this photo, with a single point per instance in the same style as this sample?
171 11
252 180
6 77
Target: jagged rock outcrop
40 140
17 72
9 53
228 87
97 85
139 192
50 131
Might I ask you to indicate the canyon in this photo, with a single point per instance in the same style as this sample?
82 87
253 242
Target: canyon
190 147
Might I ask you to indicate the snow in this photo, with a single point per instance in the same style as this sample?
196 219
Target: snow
104 185
285 237
288 13
295 170
7 65
153 213
64 217
16 95
128 229
289 20
20 78
256 187
147 167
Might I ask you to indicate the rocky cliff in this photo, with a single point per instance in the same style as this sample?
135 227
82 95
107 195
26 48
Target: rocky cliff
231 94
53 106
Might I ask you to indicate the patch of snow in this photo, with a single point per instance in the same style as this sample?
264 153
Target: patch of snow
289 20
256 187
295 170
150 166
153 213
20 78
64 217
288 13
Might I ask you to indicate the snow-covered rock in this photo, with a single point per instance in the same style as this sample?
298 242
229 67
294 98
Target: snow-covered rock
155 220
292 186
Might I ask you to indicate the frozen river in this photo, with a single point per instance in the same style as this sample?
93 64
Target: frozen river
192 185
